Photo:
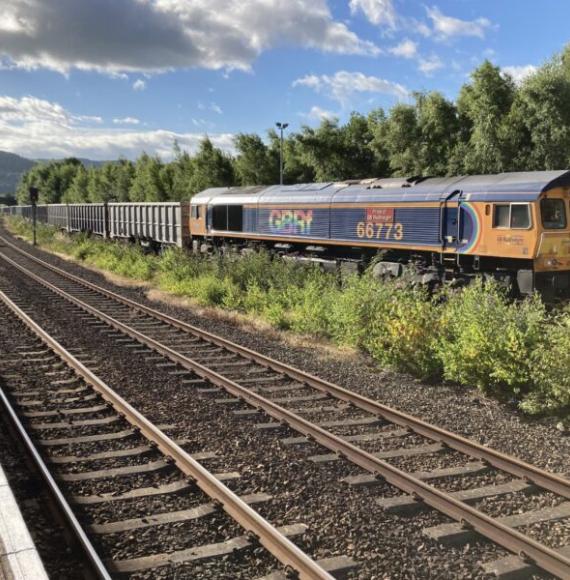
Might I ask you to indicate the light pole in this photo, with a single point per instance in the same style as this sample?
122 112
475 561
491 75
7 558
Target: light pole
281 127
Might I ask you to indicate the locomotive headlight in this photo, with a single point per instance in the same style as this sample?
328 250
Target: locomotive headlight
552 262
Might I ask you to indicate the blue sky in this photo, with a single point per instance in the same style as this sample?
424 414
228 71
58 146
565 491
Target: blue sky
103 78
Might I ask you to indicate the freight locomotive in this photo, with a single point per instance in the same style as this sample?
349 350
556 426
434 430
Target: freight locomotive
512 226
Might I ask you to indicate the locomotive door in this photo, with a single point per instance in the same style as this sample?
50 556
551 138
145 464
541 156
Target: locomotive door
198 220
451 227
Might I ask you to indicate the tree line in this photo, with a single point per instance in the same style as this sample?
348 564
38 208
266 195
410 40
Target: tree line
494 125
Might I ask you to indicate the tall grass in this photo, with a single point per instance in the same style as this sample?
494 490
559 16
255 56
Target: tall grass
474 336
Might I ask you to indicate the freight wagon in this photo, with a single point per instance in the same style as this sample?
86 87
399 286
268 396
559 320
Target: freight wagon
154 224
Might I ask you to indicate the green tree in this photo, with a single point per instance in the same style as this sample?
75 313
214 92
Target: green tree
147 184
295 167
97 188
361 161
124 173
211 168
438 127
484 106
399 136
376 122
52 180
322 149
538 127
77 192
338 152
255 163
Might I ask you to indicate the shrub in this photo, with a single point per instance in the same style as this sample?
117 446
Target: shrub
310 310
549 369
208 290
487 340
402 329
351 310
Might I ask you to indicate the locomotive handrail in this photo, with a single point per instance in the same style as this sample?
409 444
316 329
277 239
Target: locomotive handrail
442 208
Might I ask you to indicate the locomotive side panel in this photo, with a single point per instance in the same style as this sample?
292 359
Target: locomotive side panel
288 222
388 225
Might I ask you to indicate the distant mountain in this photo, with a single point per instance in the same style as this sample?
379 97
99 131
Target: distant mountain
13 166
86 162
11 169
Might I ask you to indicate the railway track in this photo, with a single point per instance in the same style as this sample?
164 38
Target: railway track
76 421
298 400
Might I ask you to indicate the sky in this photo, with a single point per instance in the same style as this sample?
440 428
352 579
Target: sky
107 78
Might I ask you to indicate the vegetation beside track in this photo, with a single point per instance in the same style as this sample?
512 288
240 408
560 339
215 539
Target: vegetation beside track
516 351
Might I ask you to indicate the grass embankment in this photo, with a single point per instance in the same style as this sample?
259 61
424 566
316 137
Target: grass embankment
516 351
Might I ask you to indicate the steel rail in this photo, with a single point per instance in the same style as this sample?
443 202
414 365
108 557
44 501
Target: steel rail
273 540
539 477
509 538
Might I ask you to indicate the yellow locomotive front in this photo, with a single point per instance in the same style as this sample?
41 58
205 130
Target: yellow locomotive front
552 262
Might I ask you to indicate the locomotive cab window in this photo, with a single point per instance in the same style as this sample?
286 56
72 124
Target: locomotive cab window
220 217
515 216
502 216
520 216
194 212
553 214
228 218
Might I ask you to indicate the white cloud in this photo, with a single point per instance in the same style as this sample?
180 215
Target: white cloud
139 85
37 128
343 84
379 12
406 49
62 35
126 121
420 27
447 26
520 73
430 64
383 13
409 49
318 114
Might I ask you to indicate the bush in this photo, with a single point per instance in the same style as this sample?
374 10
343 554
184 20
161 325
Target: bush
549 369
351 310
310 305
487 340
403 329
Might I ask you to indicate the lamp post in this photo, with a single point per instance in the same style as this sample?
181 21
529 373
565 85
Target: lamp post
281 127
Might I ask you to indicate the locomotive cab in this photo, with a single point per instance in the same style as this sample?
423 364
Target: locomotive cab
552 263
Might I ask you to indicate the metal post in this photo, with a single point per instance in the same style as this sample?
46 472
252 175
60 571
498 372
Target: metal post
281 158
281 127
34 224
33 191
